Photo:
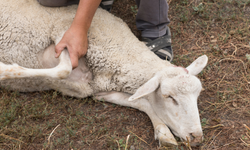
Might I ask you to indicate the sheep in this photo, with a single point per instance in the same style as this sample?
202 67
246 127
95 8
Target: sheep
117 68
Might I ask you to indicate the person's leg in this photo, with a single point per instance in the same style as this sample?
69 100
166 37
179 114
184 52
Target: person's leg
57 3
105 4
152 19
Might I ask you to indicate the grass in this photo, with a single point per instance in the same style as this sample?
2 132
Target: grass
217 28
48 120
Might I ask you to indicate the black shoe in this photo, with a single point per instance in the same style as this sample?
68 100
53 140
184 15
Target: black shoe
161 46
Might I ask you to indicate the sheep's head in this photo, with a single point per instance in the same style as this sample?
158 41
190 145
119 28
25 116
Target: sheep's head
174 99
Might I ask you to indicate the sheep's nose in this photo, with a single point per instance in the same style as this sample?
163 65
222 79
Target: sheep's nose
196 138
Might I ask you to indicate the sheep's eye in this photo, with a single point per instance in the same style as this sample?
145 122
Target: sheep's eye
174 101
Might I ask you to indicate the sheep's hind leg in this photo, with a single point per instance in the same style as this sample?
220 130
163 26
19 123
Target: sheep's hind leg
61 71
162 132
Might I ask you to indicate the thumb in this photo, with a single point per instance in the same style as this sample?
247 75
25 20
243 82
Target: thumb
59 48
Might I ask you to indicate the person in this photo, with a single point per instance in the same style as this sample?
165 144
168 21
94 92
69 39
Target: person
152 19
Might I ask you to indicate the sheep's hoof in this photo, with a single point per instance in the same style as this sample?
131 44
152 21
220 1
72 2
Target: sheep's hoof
165 137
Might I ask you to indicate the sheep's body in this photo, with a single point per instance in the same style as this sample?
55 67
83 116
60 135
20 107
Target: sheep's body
116 66
26 35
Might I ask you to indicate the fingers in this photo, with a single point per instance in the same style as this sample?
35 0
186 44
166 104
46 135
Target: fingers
76 44
74 56
59 48
74 60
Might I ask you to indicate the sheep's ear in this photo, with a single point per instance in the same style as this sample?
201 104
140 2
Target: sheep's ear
198 65
146 89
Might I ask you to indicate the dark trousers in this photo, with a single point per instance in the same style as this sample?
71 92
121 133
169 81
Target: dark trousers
152 17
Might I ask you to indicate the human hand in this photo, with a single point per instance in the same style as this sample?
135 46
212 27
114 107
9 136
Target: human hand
75 40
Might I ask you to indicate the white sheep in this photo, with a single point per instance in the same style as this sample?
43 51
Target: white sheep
117 68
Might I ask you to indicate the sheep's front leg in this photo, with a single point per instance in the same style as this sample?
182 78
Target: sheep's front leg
162 132
61 71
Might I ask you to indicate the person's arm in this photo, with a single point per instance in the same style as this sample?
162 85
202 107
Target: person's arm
75 38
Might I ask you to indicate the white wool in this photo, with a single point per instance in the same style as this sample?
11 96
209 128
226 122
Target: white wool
116 58
117 67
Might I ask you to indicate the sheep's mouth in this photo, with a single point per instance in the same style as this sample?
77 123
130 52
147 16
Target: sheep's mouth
191 143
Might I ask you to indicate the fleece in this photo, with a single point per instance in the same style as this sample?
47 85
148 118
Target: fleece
116 60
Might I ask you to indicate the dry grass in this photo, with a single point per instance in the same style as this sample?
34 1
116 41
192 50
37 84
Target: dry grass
217 28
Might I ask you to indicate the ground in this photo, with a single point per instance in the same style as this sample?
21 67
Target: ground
217 28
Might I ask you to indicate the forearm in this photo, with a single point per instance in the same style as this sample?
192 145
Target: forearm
85 13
